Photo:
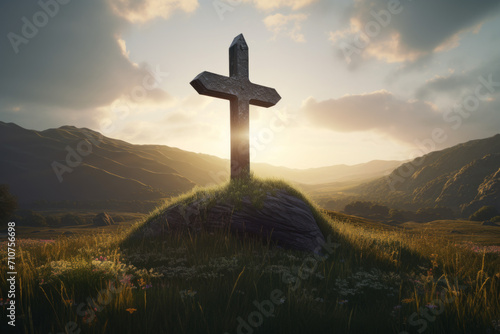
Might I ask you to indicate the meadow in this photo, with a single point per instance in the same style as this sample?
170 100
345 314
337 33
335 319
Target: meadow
365 280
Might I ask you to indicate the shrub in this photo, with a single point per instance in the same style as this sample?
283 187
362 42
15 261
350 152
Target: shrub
495 219
485 213
71 219
8 203
29 218
439 213
358 208
380 210
53 220
396 215
367 209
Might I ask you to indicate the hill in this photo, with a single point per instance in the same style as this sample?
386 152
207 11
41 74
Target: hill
361 280
78 164
330 174
267 209
464 178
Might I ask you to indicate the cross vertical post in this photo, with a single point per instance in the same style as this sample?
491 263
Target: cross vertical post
238 89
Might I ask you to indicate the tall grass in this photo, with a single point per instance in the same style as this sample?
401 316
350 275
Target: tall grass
372 282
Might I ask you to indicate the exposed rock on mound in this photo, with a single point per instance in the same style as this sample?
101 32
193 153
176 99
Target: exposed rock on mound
103 219
286 219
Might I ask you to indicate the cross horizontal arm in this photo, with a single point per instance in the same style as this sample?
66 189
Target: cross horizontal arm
231 88
215 85
263 96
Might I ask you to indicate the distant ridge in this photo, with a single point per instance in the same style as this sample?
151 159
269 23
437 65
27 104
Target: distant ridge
464 178
117 170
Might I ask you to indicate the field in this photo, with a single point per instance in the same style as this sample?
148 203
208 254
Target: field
52 233
454 231
369 278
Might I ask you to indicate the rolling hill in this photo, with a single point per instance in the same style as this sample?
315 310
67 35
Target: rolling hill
78 164
464 178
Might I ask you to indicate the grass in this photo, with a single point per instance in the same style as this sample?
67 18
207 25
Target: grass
52 232
369 281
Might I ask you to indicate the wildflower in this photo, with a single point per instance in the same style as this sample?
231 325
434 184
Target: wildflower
397 307
131 310
126 279
344 301
282 300
434 260
408 300
430 306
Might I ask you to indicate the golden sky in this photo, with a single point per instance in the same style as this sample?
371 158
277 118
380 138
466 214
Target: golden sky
359 80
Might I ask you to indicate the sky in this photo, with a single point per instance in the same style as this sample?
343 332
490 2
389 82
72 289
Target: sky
359 80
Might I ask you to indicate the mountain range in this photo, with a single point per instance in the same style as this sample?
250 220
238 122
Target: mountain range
78 164
463 178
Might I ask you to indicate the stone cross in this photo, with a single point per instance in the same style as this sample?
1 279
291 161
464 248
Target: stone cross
238 89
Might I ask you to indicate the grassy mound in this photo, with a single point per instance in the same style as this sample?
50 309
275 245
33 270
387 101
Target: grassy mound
232 193
367 282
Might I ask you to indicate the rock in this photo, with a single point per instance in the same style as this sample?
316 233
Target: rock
488 223
103 219
286 219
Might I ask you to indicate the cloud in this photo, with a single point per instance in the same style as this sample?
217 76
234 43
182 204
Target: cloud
145 10
275 4
402 31
457 84
407 121
379 112
75 62
289 25
473 99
